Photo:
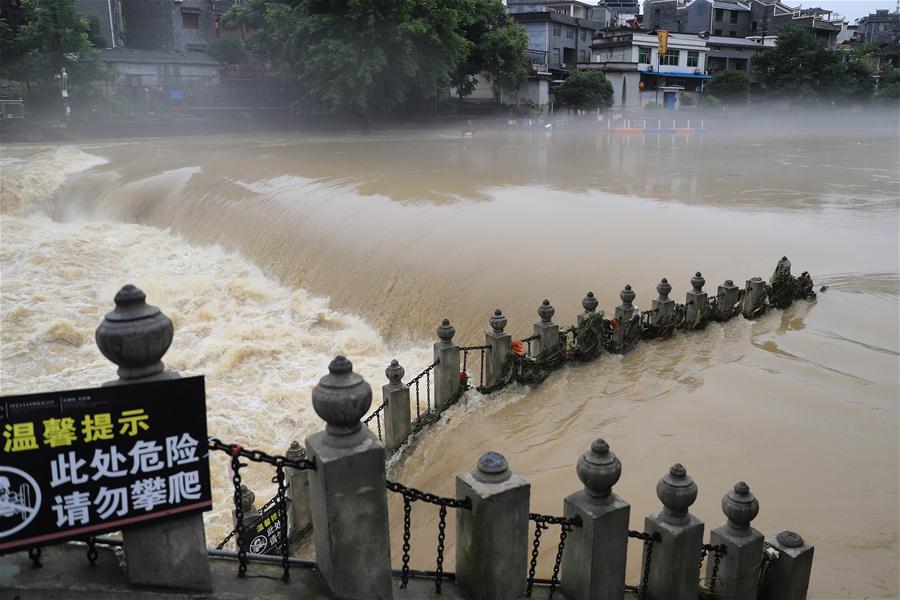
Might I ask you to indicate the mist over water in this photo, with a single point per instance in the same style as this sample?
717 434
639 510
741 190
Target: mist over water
272 254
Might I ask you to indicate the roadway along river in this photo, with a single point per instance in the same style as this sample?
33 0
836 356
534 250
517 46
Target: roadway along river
274 253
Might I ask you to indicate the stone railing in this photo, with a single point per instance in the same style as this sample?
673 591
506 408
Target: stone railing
338 485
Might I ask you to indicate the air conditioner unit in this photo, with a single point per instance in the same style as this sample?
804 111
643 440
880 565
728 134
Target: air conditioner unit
697 71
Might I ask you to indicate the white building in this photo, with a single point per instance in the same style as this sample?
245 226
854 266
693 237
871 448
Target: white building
640 75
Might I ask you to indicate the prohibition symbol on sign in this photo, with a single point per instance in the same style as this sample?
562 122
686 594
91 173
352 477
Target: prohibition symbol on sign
258 544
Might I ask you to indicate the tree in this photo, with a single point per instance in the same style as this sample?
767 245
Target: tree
52 37
889 86
497 48
227 50
732 87
365 56
586 90
801 69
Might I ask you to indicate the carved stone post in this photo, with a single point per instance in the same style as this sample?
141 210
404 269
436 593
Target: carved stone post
590 303
738 573
626 314
675 563
347 491
696 304
787 577
781 286
248 507
397 424
663 307
727 297
492 536
593 565
754 298
447 386
546 330
299 517
170 553
498 351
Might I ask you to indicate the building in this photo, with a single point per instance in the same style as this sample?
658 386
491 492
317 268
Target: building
562 30
731 54
178 26
728 18
768 16
632 63
881 29
621 12
108 16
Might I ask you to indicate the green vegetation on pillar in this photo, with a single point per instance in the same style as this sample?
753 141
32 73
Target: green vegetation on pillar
585 90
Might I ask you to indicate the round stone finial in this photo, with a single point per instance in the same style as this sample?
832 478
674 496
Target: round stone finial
790 539
589 303
498 321
697 282
247 498
135 335
296 451
546 311
740 507
446 331
341 398
627 296
395 372
677 492
599 470
492 467
663 288
729 283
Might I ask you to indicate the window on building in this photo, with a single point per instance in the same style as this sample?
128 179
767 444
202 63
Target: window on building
570 33
557 56
656 11
190 20
719 15
717 32
755 25
732 34
584 36
644 55
581 56
693 59
734 16
557 31
670 58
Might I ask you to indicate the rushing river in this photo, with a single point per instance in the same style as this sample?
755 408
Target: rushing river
272 254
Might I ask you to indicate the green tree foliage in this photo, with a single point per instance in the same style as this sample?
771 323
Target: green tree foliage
800 69
51 37
732 87
227 50
372 56
586 89
497 47
889 86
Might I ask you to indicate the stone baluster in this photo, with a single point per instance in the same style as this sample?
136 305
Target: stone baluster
492 536
248 509
447 386
727 297
787 578
696 303
589 303
347 491
675 564
781 286
754 298
738 573
546 330
663 307
299 516
593 565
499 350
625 314
397 424
170 553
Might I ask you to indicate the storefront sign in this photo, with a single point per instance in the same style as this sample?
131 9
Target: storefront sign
80 463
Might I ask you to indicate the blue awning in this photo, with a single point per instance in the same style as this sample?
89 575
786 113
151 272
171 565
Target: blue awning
676 75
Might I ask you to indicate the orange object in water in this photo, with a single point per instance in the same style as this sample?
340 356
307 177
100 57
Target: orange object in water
463 376
613 323
518 348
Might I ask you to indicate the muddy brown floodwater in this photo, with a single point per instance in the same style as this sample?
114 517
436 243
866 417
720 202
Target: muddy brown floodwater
274 253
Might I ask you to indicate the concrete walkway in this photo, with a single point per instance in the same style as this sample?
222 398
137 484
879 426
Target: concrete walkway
66 575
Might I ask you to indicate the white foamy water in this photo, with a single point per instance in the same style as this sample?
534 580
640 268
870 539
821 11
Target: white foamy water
261 346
